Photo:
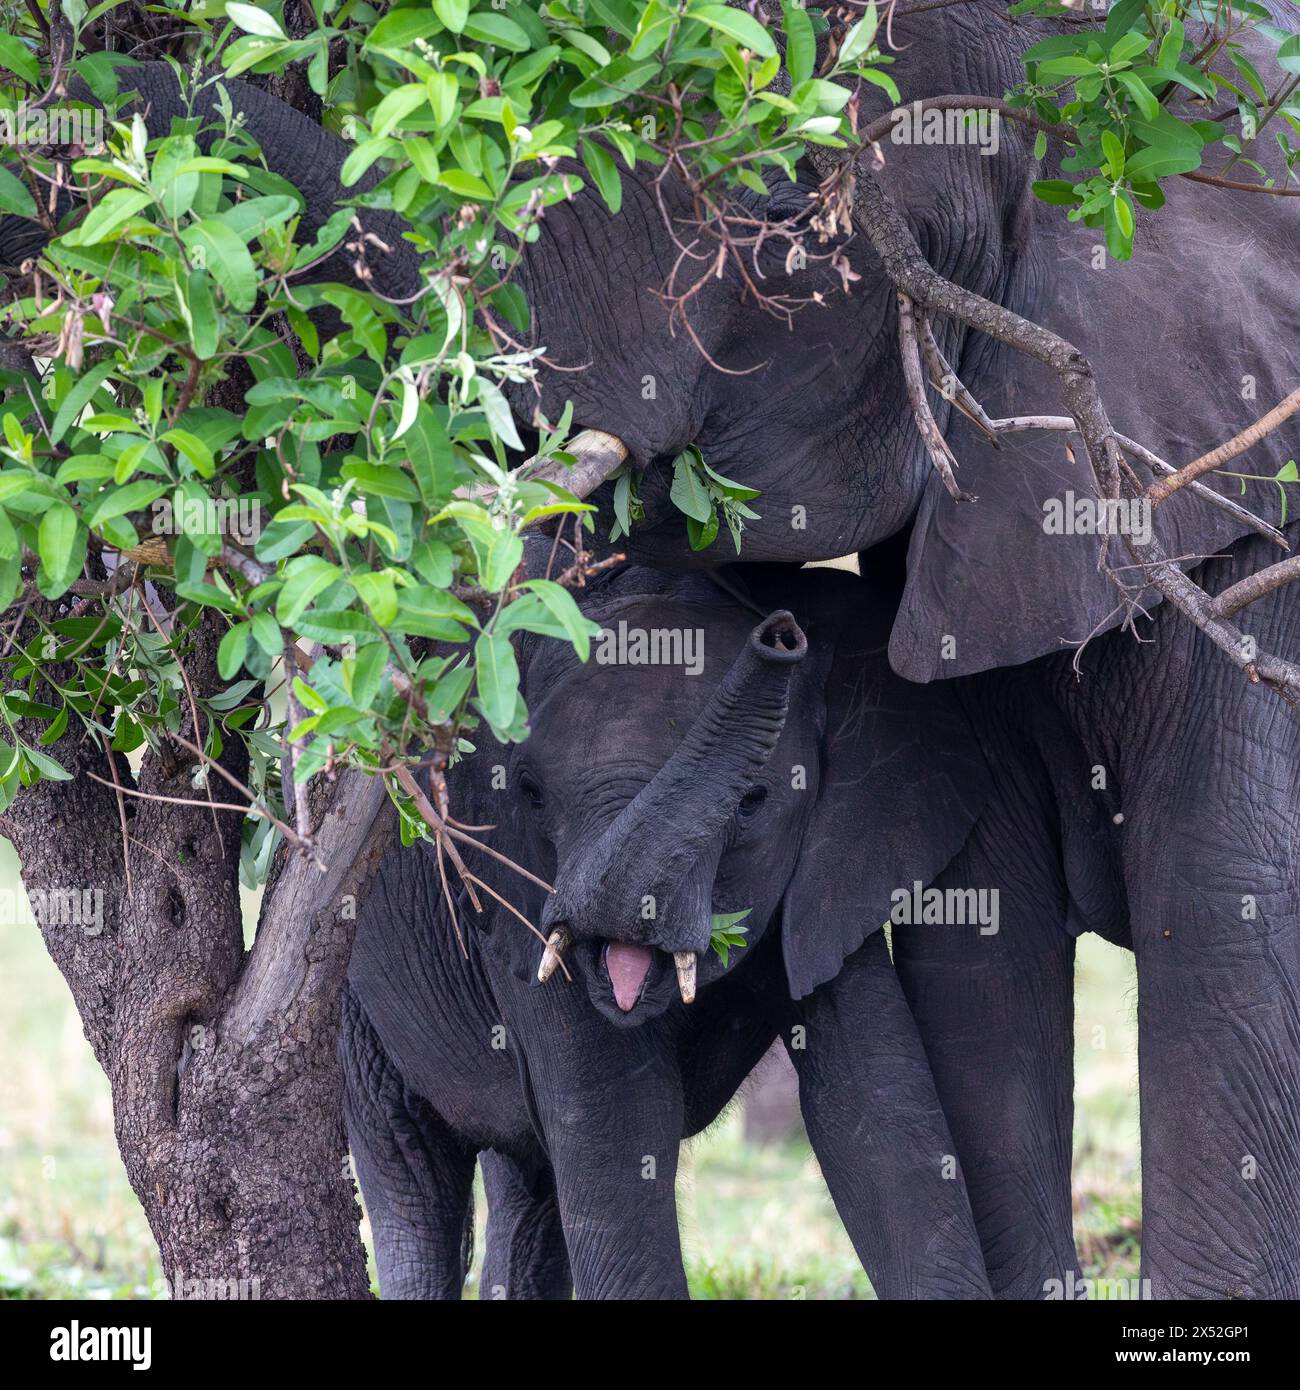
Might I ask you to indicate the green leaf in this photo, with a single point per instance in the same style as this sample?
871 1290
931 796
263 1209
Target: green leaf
801 42
230 651
1114 152
396 106
433 462
1059 191
688 492
1158 162
46 765
1143 97
497 30
453 13
305 577
205 328
498 678
119 501
464 185
78 398
254 20
214 247
738 25
381 480
193 448
860 37
379 594
604 175
267 635
496 409
61 556
108 215
366 674
726 935
400 29
430 612
17 57
566 612
176 190
15 196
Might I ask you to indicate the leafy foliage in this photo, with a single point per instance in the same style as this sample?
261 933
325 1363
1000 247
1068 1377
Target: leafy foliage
367 495
727 934
364 498
1113 87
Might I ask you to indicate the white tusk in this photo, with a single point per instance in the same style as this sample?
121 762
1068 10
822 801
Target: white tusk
685 962
557 943
596 456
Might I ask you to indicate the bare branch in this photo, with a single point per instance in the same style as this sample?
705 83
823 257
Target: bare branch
931 435
1228 451
1232 600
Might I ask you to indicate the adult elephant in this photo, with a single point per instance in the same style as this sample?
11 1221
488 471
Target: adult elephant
683 771
1152 795
1189 342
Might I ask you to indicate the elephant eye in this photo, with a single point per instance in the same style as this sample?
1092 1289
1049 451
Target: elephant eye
530 791
753 800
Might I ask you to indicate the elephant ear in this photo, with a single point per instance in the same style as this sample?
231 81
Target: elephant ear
902 782
1184 343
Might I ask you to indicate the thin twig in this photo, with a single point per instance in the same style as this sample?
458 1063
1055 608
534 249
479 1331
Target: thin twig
1227 451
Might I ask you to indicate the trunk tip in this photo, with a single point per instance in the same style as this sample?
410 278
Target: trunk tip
779 638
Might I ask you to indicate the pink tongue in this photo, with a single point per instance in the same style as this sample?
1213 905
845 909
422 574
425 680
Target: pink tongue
627 966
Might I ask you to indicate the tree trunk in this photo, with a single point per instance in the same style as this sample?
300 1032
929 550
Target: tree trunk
226 1091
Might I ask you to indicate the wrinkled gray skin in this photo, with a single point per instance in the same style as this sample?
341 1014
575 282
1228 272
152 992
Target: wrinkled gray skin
699 793
1191 341
1190 851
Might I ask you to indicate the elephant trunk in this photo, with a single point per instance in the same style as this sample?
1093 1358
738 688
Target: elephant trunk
647 880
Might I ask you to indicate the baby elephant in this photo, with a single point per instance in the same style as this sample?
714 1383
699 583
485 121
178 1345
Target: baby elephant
706 762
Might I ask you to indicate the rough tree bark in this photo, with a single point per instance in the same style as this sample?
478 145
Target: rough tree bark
222 1064
226 1092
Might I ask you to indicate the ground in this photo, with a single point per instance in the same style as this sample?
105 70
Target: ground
757 1222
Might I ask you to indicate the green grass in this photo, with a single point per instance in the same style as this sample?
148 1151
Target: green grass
757 1223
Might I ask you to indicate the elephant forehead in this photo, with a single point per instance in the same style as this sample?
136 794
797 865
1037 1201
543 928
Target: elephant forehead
622 701
642 650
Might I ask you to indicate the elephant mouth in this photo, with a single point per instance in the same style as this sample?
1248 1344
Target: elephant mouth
627 967
629 983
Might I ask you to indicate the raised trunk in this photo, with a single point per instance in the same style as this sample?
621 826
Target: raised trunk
662 843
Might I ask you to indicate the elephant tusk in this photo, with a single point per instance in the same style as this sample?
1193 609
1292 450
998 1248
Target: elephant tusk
685 963
557 943
596 456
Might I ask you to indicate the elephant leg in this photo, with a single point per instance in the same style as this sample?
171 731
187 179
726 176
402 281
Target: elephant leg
1212 876
875 1122
525 1255
416 1175
609 1105
996 1013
